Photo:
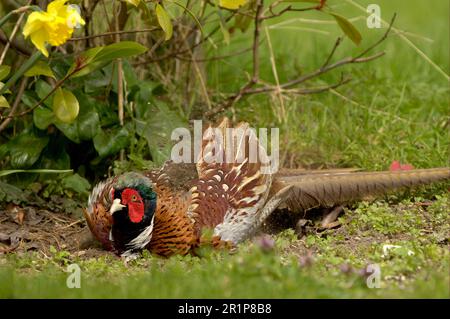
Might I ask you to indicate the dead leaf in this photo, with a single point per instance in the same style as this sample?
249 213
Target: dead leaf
20 216
4 237
32 218
16 213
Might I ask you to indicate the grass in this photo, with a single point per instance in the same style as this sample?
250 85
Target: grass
320 265
396 108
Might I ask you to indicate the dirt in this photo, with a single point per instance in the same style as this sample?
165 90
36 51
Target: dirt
29 228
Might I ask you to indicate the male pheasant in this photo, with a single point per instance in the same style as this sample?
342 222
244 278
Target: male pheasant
166 210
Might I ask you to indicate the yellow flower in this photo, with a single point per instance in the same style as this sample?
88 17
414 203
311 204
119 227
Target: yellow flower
232 4
54 26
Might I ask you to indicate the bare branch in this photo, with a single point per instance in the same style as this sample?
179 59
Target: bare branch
15 44
57 86
215 58
185 51
329 68
13 34
326 67
342 81
286 9
258 22
22 86
384 37
330 56
107 34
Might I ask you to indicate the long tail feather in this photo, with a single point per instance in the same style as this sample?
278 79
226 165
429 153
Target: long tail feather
328 189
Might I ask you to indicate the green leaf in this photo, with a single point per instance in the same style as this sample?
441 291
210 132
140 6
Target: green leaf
119 50
69 130
88 125
40 68
43 117
164 21
10 193
77 183
86 62
4 71
25 149
22 69
2 85
4 102
156 126
348 28
54 157
99 57
111 142
42 89
34 171
65 106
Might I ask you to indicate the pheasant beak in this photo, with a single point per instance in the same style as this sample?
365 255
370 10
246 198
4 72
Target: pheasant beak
116 206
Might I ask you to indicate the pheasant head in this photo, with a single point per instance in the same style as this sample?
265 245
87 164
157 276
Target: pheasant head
121 212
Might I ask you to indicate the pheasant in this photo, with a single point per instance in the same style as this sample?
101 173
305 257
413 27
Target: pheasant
167 210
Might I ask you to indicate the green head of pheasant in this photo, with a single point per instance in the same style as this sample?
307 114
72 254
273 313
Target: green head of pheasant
121 212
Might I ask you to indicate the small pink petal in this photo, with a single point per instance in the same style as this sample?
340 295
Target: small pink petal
395 166
406 167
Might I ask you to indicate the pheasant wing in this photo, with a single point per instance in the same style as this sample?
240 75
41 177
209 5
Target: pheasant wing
232 187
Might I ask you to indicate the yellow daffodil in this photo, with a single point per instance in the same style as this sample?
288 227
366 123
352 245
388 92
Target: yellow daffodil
232 4
54 26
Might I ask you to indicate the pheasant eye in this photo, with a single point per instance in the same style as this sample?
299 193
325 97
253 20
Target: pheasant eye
133 198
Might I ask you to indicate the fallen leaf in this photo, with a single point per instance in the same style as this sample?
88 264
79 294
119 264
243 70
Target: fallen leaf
20 216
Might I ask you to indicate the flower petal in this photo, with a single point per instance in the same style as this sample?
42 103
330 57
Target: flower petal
35 22
54 27
39 38
55 6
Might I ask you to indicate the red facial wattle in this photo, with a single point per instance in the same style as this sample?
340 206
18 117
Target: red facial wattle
136 211
133 200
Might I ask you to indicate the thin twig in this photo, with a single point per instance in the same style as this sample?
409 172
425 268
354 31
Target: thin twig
13 34
16 45
384 37
22 86
106 34
57 86
333 51
258 21
341 82
120 94
215 58
185 51
285 9
72 224
329 68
